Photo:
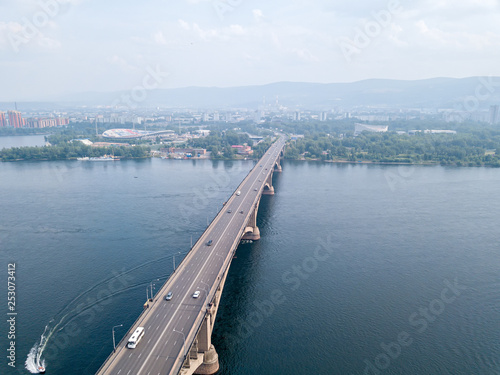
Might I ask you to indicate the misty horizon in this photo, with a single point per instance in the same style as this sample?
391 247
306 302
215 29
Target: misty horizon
58 47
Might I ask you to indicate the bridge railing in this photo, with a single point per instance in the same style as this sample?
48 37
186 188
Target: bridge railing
173 275
190 338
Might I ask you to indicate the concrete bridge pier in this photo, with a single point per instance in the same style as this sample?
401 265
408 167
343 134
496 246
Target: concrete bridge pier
210 364
252 232
203 358
277 166
268 186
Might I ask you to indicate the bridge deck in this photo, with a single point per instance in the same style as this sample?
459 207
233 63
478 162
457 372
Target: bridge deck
172 326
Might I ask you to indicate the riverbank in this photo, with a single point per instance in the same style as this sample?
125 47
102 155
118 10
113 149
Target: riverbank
457 164
363 162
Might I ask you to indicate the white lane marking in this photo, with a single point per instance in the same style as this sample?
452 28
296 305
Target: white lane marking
177 310
203 266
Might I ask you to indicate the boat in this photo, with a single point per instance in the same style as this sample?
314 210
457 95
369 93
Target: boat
41 370
103 158
83 159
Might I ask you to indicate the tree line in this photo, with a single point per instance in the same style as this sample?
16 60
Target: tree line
476 148
71 150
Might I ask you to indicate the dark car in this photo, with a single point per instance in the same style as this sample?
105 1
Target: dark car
209 243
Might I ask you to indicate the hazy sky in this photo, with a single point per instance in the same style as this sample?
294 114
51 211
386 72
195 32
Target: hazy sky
52 47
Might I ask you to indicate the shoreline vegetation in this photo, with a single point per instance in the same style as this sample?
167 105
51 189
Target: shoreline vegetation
474 144
477 148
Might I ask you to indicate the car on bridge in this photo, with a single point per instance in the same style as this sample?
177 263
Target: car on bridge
209 243
169 296
196 294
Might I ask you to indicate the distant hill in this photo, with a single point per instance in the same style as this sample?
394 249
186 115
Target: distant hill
428 93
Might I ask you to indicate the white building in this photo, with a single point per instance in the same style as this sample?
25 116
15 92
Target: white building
359 128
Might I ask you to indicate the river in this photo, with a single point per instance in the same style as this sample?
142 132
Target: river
22 141
381 269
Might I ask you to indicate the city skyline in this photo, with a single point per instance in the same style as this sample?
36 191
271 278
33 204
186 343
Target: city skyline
57 47
15 119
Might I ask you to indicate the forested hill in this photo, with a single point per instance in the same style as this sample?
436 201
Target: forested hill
427 93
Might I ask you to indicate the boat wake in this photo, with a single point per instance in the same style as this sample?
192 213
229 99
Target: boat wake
34 360
35 364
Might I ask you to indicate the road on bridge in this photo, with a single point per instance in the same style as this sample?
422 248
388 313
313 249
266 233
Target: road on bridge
171 326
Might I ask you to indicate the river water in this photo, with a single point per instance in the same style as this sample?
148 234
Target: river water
361 269
22 141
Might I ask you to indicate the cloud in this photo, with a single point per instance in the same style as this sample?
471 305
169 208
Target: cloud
236 30
184 25
70 2
48 43
435 37
291 40
121 63
213 34
258 15
305 55
159 38
197 1
205 34
477 5
16 36
7 30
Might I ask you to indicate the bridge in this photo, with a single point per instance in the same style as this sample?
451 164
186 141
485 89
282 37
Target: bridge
177 338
